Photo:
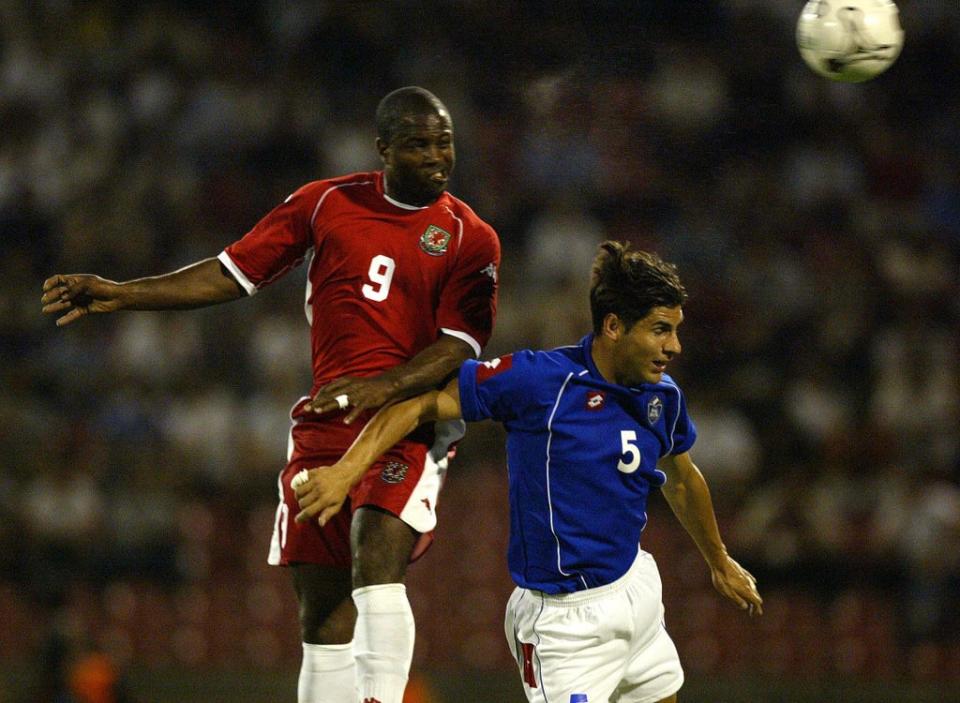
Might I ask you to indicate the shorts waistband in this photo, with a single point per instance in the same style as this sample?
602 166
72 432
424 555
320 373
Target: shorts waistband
569 600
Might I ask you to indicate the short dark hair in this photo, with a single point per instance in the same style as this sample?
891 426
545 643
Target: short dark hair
402 103
630 284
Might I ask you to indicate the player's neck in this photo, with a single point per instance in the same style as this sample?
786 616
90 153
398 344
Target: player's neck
405 202
602 358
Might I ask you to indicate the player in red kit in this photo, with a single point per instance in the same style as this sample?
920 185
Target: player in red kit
401 290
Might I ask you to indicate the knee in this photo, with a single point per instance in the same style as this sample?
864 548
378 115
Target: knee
321 625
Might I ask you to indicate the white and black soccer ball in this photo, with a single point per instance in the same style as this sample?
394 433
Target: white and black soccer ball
849 40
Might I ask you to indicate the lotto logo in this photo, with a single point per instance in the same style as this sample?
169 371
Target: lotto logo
595 400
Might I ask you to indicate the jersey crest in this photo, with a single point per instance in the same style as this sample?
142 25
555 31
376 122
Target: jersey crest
394 472
435 240
654 410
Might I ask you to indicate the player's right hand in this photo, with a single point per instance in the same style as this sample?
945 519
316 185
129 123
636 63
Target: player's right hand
322 492
737 584
78 294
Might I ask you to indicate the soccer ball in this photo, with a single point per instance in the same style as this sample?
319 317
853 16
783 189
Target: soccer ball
849 40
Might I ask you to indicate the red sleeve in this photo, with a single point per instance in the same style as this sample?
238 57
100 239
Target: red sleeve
468 303
276 244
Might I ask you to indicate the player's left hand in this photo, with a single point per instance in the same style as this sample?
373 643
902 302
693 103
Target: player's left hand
321 492
737 584
358 394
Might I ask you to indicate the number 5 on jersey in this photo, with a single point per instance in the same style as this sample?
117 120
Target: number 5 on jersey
630 451
380 274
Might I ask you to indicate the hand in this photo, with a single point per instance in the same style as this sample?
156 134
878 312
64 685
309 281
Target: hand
737 584
361 394
323 492
79 294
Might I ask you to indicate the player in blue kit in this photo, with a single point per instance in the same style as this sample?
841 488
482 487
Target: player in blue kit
591 429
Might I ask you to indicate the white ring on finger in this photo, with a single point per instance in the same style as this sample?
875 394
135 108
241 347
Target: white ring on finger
342 401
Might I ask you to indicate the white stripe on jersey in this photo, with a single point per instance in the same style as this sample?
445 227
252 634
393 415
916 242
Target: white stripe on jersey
549 498
673 429
459 233
239 275
465 337
307 309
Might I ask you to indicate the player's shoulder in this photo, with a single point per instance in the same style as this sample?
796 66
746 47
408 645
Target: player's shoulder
366 179
559 361
317 189
669 387
669 381
460 209
527 371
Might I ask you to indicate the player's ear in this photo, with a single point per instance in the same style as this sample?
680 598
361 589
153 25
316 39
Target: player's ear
612 327
382 148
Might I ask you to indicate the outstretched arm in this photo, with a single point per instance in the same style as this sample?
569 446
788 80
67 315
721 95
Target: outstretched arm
689 497
426 371
197 285
321 492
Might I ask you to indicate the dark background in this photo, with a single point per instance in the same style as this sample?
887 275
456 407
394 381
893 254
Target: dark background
816 225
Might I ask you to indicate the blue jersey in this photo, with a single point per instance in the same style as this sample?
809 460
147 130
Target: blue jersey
582 457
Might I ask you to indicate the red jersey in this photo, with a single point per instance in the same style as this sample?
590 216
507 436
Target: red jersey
385 279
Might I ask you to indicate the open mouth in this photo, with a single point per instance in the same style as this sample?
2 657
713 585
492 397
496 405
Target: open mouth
660 366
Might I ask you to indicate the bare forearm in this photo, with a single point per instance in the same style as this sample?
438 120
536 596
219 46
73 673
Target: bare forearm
198 285
430 368
691 503
386 428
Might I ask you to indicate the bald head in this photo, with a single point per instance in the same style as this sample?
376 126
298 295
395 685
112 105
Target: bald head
396 110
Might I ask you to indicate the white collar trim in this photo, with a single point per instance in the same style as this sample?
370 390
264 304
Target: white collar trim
403 205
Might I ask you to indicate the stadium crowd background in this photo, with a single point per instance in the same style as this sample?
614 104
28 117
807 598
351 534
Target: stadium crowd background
817 227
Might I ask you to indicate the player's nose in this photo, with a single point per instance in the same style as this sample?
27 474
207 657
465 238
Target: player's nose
672 346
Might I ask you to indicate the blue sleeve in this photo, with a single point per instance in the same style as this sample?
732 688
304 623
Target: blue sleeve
498 389
685 431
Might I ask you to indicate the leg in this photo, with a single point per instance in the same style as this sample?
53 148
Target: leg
327 615
381 545
326 612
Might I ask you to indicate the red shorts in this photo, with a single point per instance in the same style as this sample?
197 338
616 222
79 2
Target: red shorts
405 482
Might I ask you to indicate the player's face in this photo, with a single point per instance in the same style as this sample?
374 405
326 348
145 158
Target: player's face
641 354
418 162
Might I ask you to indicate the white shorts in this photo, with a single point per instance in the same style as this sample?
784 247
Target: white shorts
609 643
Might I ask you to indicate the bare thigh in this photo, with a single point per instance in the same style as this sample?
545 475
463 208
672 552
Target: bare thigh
326 611
380 546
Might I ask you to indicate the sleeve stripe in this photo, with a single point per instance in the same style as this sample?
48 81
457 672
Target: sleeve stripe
234 270
464 337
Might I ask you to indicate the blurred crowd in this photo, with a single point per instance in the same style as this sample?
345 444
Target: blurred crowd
816 225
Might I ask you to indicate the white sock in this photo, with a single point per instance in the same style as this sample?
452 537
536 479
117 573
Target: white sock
383 642
327 674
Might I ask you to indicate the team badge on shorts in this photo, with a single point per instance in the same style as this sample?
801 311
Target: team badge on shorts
434 240
595 400
394 472
654 410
